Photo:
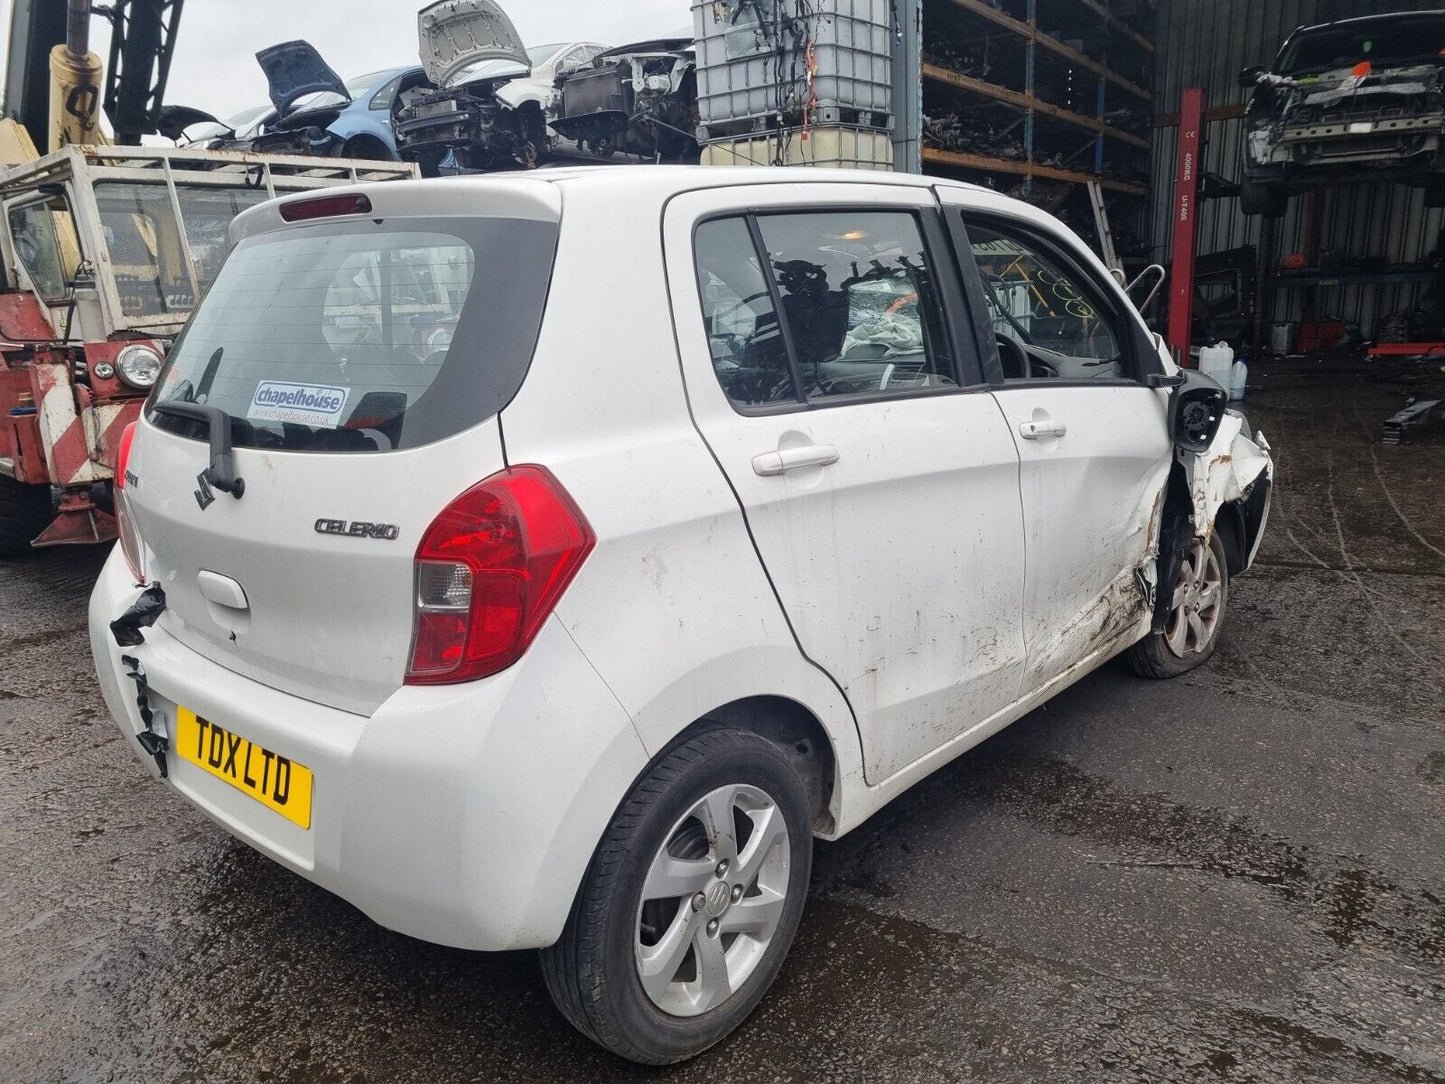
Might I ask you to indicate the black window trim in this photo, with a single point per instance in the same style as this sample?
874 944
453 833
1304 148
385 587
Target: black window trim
1137 352
952 302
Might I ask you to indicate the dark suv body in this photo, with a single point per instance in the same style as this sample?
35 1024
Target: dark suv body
1346 101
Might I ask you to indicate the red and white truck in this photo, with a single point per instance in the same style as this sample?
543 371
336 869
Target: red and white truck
104 251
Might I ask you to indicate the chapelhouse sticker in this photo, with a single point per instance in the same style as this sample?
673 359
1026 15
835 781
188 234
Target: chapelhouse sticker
302 404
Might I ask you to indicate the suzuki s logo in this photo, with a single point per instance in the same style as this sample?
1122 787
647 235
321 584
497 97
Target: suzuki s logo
387 532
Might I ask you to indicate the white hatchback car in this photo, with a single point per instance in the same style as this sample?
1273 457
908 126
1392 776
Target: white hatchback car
544 561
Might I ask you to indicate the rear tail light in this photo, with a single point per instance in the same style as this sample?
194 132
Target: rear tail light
489 572
130 544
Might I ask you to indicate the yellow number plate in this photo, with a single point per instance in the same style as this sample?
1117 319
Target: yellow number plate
274 781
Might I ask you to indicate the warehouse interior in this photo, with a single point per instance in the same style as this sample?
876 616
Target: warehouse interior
1038 98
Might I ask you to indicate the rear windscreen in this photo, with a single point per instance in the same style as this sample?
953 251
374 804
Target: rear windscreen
364 337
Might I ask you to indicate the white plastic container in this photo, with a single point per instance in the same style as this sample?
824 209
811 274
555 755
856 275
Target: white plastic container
1238 378
1216 361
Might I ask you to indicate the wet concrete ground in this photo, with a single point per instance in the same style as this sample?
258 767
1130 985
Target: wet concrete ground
1237 876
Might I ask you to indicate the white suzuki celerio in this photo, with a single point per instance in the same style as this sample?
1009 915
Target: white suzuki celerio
543 561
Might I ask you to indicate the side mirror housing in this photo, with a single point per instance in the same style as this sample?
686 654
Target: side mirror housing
1251 76
1196 410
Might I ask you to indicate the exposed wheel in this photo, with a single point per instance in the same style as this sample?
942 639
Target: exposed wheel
1262 199
1196 615
691 901
25 511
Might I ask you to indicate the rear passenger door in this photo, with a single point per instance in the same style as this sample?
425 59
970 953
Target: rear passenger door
819 333
1093 439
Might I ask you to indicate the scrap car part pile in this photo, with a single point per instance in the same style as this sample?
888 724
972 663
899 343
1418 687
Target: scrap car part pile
638 100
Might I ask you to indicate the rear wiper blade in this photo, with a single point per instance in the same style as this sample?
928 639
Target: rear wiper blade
222 472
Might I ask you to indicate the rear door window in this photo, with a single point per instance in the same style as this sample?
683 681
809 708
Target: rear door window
813 306
861 301
337 339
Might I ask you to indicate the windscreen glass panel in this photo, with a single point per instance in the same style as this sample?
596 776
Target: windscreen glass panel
207 214
145 249
365 338
145 245
1392 40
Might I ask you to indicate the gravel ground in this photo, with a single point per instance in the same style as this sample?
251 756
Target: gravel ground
1236 876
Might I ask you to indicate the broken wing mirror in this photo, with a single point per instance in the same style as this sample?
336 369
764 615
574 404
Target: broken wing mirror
1196 409
1251 76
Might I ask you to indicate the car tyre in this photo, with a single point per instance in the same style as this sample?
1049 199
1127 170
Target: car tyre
658 962
25 511
1270 200
1196 616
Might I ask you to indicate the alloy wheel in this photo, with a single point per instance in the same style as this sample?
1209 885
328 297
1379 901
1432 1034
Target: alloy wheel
1195 607
712 900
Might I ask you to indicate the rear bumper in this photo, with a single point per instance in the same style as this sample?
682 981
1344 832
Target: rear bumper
462 815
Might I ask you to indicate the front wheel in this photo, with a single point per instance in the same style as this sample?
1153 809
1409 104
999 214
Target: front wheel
1196 615
691 901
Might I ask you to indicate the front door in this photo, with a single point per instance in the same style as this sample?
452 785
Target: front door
1093 440
826 371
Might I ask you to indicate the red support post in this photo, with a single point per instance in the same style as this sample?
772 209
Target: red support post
1186 222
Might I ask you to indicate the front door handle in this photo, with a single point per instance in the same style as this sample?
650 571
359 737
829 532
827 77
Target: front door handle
1038 430
783 460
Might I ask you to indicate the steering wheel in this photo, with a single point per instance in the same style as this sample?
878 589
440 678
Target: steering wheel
1013 357
1021 361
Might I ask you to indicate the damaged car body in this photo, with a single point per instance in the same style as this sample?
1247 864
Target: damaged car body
638 100
312 111
1356 95
902 462
470 51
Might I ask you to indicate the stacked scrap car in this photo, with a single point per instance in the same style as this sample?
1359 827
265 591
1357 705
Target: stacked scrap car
1358 94
639 100
489 95
312 112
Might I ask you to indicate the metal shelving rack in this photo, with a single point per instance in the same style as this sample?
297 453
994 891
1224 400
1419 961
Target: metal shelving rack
1033 108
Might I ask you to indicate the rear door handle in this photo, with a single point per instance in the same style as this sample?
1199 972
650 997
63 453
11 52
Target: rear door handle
783 460
1041 429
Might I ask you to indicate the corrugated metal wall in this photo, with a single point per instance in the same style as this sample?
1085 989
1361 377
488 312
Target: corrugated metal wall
1206 43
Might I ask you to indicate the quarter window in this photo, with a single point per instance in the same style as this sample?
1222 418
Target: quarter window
1047 318
748 352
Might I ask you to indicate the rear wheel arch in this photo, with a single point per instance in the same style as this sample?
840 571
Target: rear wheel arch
795 730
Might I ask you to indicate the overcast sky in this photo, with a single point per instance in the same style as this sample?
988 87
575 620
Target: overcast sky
215 64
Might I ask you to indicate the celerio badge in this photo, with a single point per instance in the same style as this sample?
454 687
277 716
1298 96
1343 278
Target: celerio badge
387 532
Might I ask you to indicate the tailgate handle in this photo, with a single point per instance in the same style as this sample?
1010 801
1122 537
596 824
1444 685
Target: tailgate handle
222 590
770 464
